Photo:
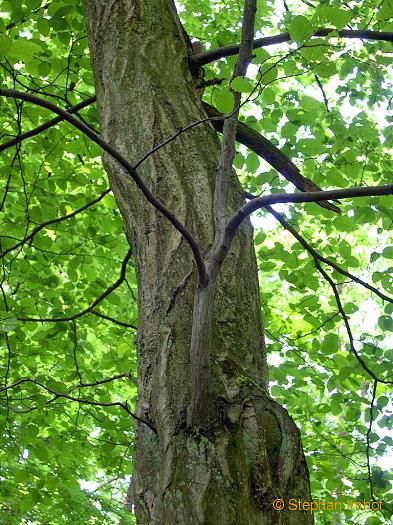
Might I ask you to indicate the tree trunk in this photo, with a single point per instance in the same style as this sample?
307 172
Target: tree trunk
230 469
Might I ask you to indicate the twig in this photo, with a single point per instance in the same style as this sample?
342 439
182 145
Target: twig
316 255
348 328
368 445
325 100
54 221
108 380
124 406
109 290
115 321
75 349
46 125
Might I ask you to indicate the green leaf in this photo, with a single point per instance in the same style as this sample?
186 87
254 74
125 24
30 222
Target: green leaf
268 95
242 85
23 49
43 26
8 323
386 323
289 130
252 162
300 29
335 16
260 55
290 67
388 252
224 101
269 73
310 103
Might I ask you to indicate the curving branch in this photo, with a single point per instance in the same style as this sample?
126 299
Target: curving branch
113 320
126 165
317 196
270 153
368 442
46 125
227 153
109 380
54 221
221 249
312 251
358 357
202 59
124 406
91 307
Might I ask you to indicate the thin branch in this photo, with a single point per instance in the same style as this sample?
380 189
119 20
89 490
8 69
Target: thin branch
270 153
173 137
316 330
128 167
325 100
368 444
75 350
124 406
227 153
317 196
46 125
98 300
348 328
27 17
108 380
112 320
225 51
260 202
54 221
316 255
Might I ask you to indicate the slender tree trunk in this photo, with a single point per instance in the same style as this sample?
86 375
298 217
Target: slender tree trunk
228 469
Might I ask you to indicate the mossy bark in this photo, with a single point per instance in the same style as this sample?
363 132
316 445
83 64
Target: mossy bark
228 471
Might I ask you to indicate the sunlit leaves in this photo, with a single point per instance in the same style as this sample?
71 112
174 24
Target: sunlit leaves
242 85
300 28
333 16
337 142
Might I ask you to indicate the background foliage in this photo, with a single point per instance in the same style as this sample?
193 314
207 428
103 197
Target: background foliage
327 104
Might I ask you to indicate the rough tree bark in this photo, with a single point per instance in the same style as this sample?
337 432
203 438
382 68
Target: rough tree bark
230 469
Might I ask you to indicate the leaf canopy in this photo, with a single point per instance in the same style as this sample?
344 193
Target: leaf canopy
326 102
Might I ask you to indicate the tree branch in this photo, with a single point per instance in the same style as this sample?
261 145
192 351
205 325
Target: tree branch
109 290
46 125
108 380
124 406
54 221
128 167
227 153
201 409
317 196
202 59
112 320
368 443
348 328
270 153
316 255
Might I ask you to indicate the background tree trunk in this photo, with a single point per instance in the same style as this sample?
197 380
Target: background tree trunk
228 472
